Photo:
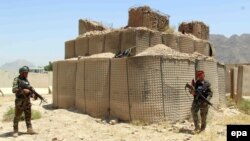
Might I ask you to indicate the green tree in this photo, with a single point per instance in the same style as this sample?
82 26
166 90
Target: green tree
48 67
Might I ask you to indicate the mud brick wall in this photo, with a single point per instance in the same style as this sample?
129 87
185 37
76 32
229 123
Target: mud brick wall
197 28
146 17
86 26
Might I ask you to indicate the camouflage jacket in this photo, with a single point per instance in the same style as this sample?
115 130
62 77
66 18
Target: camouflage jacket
16 89
205 88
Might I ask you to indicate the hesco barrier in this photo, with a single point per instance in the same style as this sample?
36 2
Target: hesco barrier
97 75
186 44
82 46
55 84
145 89
69 49
96 44
202 47
243 88
222 83
176 73
170 40
211 74
66 76
113 42
119 100
80 101
155 38
138 39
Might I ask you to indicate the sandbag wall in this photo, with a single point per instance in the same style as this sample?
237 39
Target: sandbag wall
211 74
221 83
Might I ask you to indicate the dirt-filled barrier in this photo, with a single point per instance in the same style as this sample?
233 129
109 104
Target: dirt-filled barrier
170 40
81 46
119 98
96 44
80 101
55 84
69 49
222 83
145 89
211 74
135 38
66 80
113 42
186 44
97 75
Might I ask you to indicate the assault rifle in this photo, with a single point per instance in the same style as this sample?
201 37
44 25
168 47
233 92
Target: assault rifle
199 94
32 90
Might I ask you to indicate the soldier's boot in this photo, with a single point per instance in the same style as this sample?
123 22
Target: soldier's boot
31 131
203 127
15 133
197 128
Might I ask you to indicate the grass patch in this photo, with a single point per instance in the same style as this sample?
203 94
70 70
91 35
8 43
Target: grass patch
10 113
244 106
236 119
230 102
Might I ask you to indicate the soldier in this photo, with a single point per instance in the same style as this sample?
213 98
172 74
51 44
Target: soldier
1 92
22 101
204 87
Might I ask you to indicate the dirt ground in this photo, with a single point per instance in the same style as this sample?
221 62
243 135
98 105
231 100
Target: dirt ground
69 125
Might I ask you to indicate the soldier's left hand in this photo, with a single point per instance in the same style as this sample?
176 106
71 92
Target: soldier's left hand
34 96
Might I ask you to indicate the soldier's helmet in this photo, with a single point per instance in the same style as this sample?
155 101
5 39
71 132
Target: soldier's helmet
24 69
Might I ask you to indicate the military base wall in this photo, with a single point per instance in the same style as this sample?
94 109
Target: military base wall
146 86
243 88
138 39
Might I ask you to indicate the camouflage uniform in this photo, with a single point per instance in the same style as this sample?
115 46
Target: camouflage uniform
199 104
22 103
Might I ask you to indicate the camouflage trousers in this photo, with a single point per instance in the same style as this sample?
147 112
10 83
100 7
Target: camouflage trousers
22 105
203 107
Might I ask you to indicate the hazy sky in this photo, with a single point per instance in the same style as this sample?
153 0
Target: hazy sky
35 30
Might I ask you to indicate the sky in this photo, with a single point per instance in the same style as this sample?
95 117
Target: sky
35 30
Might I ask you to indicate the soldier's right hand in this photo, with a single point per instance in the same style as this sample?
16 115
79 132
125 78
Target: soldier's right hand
26 91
